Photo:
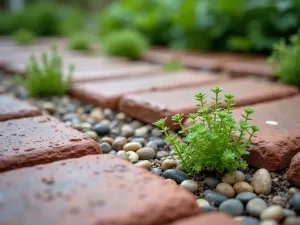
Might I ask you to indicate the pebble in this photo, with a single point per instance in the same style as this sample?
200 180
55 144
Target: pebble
232 207
108 114
248 220
160 142
292 221
109 140
113 152
132 146
91 134
201 202
105 147
121 116
171 181
293 190
101 129
273 212
215 198
156 171
255 206
233 177
242 186
113 125
132 156
168 164
49 107
127 130
211 182
156 132
269 222
288 212
296 202
146 164
146 153
86 126
161 154
122 154
141 132
118 143
175 175
209 209
190 185
245 197
96 114
152 144
88 108
225 189
141 140
261 182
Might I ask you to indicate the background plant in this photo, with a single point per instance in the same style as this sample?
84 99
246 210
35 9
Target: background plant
173 65
214 140
24 36
80 41
46 78
284 60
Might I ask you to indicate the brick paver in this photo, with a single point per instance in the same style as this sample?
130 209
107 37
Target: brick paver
294 170
41 139
107 94
90 190
13 108
208 219
152 106
279 138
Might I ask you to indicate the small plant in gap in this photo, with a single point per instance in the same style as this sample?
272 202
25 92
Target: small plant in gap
285 60
127 43
24 36
80 41
173 65
214 140
46 78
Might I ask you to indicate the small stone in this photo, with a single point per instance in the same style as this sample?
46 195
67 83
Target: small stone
273 212
276 198
85 126
168 164
152 144
108 114
122 154
233 177
141 140
121 116
296 202
269 222
179 167
132 146
141 132
101 129
171 181
232 207
91 134
113 127
293 220
105 147
156 132
293 190
127 130
109 140
118 143
255 206
190 185
160 142
113 152
132 156
156 171
176 175
261 182
146 164
161 154
146 153
88 108
225 189
215 198
211 182
248 220
96 114
48 180
242 186
209 209
106 122
201 202
288 212
49 107
245 197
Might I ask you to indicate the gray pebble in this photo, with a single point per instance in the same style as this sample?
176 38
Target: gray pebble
160 142
175 175
113 125
249 220
161 154
122 154
190 185
141 132
215 198
211 182
209 208
156 171
118 143
127 130
261 182
288 213
105 147
108 114
101 129
113 152
255 206
146 153
232 207
245 197
141 140
152 144
296 202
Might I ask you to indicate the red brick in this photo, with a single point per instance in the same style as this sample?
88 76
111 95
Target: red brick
208 219
91 190
294 170
12 108
275 145
153 106
115 72
41 139
107 94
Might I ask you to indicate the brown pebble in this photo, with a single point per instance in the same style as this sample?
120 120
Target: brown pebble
48 180
109 140
171 181
242 186
293 190
225 189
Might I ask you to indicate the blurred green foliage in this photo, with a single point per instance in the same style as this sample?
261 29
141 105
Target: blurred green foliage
236 25
80 41
24 36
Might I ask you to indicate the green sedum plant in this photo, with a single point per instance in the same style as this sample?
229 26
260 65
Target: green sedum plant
80 41
24 36
284 60
173 65
214 140
47 78
127 43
